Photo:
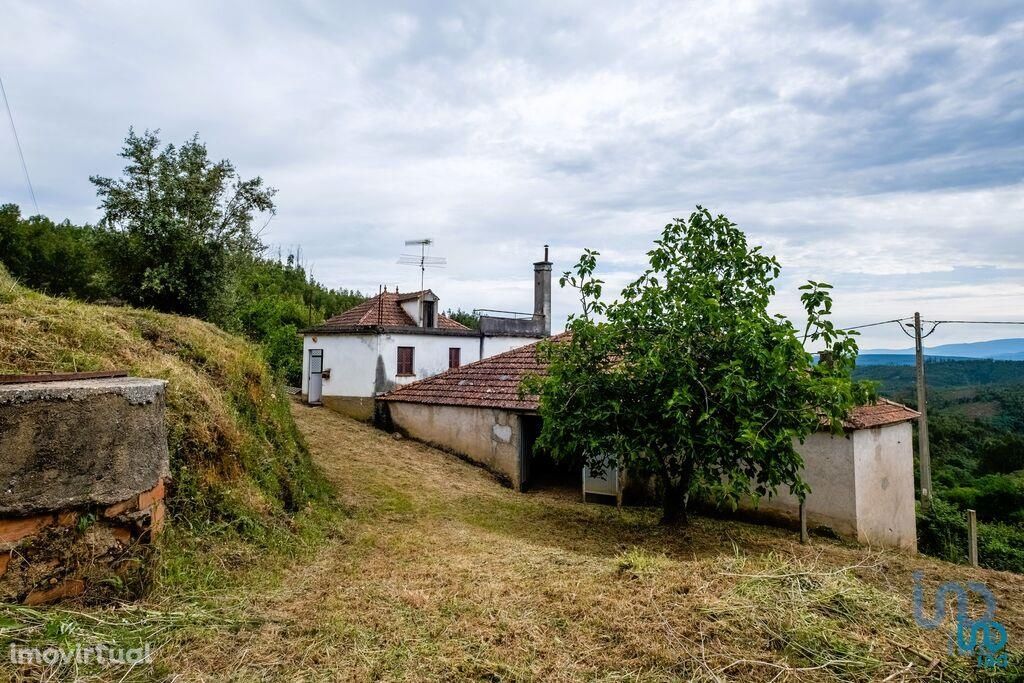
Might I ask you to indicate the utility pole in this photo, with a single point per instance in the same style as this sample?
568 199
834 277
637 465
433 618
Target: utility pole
924 457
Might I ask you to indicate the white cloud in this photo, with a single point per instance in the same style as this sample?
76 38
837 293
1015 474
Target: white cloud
879 147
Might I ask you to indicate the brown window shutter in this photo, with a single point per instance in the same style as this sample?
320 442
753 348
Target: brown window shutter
405 360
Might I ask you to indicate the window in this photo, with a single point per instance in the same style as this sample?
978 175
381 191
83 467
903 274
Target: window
454 358
428 314
405 360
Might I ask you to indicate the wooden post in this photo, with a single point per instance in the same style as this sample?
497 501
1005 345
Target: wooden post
923 454
804 538
972 537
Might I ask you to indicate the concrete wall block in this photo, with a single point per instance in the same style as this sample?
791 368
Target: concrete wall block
80 443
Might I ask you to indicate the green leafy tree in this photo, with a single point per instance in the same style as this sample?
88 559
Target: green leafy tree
687 377
467 318
176 223
57 258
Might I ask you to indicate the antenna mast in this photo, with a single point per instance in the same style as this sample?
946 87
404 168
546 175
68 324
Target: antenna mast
423 261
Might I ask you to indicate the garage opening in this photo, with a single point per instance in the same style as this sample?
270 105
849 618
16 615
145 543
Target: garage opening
539 471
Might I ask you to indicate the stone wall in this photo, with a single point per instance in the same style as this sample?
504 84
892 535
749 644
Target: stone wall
83 472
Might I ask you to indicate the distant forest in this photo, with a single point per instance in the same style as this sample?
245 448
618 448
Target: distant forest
976 425
266 297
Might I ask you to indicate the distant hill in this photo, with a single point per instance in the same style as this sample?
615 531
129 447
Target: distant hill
996 349
866 359
899 377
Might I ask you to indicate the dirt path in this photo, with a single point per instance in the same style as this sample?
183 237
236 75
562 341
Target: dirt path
441 573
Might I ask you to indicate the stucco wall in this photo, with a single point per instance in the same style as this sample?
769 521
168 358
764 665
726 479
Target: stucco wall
496 345
487 436
367 364
885 486
364 365
828 470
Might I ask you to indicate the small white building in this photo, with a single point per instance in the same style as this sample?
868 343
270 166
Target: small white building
397 338
862 481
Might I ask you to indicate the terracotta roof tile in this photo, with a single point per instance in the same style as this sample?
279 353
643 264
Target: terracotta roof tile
884 412
384 310
489 383
494 383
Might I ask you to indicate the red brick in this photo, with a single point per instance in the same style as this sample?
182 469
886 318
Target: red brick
68 589
151 496
124 506
13 530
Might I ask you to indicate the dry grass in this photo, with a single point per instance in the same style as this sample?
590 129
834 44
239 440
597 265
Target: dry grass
442 574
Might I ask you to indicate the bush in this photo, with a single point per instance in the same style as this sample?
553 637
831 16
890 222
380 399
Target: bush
942 531
1001 546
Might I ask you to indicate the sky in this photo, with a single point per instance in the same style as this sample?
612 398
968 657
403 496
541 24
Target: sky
875 146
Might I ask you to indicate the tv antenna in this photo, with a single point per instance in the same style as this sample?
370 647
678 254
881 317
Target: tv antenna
423 261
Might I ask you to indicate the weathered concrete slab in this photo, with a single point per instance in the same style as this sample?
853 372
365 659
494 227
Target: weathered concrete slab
66 444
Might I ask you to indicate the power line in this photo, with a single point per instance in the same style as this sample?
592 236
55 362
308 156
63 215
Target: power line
976 322
936 323
882 322
17 142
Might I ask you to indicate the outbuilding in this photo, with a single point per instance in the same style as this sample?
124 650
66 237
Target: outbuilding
862 482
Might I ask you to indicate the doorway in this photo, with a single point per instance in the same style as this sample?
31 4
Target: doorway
538 470
316 377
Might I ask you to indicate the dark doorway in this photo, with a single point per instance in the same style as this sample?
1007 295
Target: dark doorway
538 470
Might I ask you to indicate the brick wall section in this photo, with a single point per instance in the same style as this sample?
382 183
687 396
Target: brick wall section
58 555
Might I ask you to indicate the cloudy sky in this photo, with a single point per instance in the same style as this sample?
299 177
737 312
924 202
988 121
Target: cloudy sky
877 146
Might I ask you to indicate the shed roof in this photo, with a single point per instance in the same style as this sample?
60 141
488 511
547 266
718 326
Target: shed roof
494 383
382 311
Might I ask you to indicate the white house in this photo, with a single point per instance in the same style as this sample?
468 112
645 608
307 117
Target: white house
397 338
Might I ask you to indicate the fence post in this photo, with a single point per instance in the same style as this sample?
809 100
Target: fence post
804 538
972 537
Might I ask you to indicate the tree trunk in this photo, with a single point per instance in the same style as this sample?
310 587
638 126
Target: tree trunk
675 496
673 502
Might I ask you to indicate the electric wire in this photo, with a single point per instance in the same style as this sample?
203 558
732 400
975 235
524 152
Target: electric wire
17 143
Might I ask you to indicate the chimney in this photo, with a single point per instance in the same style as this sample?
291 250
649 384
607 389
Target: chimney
542 292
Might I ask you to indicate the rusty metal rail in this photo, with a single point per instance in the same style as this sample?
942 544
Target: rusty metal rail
61 377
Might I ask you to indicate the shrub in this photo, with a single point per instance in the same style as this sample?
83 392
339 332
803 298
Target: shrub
942 531
1001 546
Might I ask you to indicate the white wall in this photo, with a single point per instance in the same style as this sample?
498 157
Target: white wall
828 470
885 485
862 485
430 356
365 364
353 359
496 345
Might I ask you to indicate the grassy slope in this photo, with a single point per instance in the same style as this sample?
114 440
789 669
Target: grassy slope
440 573
236 456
